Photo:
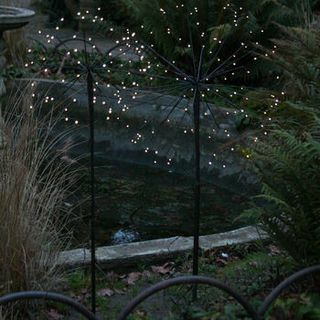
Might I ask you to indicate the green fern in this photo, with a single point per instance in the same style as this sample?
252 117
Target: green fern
297 55
289 203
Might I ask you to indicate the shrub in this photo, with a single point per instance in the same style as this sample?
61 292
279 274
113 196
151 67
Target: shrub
171 27
56 9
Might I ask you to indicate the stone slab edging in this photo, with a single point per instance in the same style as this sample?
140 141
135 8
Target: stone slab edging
129 254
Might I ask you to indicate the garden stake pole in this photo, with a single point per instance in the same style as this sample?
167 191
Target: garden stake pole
90 92
93 198
197 188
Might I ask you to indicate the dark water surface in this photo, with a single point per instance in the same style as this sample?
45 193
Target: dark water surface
136 202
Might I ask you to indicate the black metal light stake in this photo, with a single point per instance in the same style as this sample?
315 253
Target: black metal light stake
197 158
196 82
89 70
92 186
197 186
196 115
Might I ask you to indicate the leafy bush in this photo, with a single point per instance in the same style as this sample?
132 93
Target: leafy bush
57 9
115 12
171 27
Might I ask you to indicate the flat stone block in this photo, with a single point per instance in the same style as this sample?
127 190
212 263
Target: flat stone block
242 235
129 254
144 251
74 258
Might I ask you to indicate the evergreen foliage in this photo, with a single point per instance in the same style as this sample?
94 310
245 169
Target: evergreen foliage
57 9
171 28
298 58
289 203
288 161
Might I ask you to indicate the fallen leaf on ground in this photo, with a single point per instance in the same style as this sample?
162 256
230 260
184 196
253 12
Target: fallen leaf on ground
141 314
118 291
274 250
165 269
111 276
221 261
133 277
54 315
147 273
105 292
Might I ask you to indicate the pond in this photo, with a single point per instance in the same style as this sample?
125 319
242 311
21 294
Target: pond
137 202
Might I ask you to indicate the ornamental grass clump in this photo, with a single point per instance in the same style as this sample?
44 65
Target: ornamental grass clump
34 183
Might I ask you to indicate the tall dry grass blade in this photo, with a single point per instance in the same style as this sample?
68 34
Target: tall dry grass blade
34 183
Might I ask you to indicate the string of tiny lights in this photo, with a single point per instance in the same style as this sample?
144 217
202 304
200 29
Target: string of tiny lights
198 93
182 76
149 66
170 79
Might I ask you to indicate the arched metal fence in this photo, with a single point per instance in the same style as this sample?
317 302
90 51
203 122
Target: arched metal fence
163 285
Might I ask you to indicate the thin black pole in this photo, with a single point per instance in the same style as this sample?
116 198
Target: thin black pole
197 187
93 198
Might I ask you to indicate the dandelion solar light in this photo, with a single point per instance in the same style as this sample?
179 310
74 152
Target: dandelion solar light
206 73
205 70
85 70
